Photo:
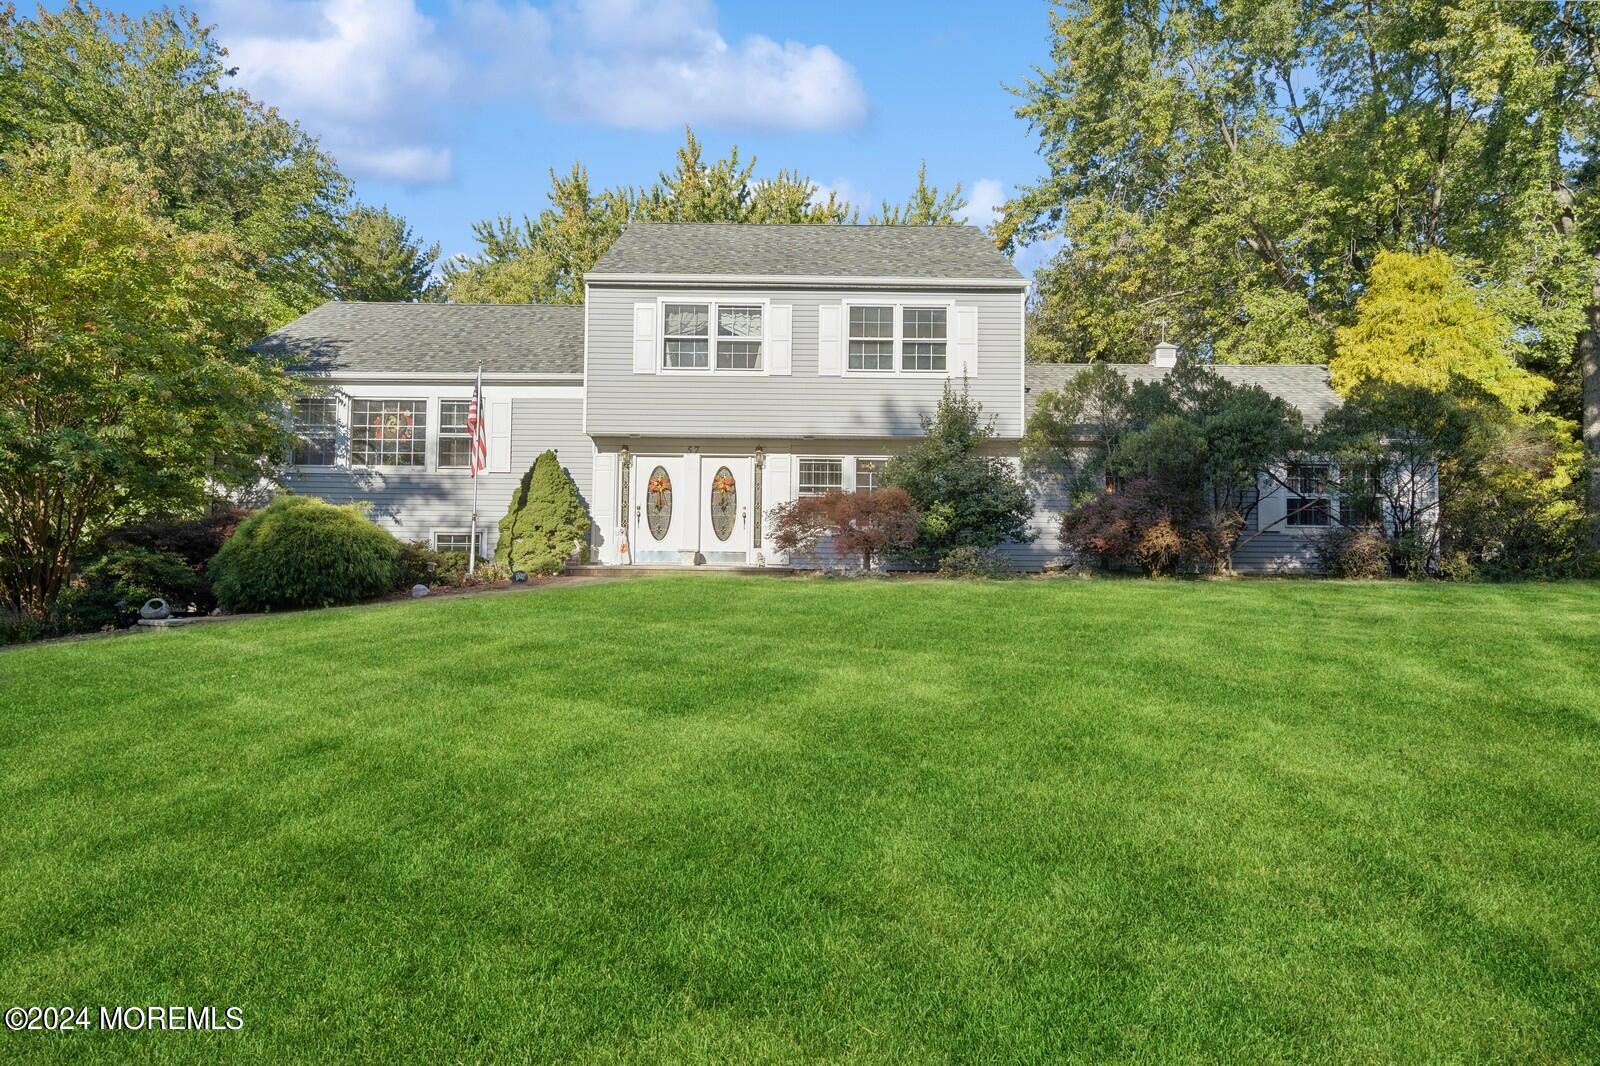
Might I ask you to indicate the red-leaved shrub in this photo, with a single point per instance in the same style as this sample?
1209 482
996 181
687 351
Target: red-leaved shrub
1157 531
867 524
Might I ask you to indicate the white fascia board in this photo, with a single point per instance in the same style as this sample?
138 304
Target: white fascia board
810 281
447 376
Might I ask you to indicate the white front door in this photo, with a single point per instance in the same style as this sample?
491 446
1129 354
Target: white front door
727 491
658 514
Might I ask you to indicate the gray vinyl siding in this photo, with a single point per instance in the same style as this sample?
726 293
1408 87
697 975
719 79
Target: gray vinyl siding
802 403
411 504
1047 487
1273 552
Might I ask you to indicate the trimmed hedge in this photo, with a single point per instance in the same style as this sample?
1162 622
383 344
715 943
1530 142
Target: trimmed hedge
300 551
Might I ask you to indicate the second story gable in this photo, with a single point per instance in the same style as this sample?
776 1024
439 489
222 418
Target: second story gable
798 331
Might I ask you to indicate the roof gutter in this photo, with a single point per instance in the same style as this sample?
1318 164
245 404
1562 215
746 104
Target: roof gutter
809 281
489 376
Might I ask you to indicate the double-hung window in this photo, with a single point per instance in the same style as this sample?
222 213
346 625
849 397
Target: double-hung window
884 338
698 336
869 475
1308 495
455 443
871 338
923 333
316 430
389 432
738 337
1358 497
821 475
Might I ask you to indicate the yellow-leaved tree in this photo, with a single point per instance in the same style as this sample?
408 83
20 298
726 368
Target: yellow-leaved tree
1420 323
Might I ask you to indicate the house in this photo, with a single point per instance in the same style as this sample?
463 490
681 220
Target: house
713 372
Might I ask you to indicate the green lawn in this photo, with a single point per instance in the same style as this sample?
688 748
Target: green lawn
690 818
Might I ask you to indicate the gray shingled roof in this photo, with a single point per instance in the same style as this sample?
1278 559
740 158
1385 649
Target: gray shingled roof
723 249
1303 385
432 338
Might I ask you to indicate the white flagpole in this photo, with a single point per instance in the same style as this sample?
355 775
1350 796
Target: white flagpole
472 544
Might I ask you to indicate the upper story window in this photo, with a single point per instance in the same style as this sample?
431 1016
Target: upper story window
738 338
389 432
884 337
316 430
1308 495
872 338
923 330
686 333
455 442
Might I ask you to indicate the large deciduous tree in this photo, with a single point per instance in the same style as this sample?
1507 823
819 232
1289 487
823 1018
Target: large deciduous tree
125 384
381 259
157 88
1235 170
544 258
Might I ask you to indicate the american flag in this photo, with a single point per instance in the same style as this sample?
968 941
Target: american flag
479 446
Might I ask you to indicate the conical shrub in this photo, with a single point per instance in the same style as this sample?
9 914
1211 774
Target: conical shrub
546 522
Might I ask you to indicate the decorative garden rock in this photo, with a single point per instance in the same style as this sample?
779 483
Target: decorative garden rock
155 608
520 577
418 591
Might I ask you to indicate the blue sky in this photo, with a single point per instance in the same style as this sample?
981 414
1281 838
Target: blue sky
454 110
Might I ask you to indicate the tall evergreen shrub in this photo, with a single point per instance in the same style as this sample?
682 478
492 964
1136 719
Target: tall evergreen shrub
546 522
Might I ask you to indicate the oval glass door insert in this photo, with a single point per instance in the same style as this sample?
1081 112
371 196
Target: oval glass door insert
658 503
724 503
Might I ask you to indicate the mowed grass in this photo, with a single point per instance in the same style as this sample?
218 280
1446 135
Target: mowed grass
687 819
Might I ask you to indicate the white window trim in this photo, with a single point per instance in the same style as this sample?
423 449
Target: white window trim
430 407
847 468
850 479
846 473
341 428
713 302
436 431
1284 496
950 360
483 537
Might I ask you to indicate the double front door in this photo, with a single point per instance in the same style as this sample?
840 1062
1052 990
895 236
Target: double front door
689 506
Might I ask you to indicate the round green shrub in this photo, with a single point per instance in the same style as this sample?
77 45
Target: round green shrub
300 551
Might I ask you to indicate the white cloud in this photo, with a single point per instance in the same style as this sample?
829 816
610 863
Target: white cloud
984 202
364 74
375 77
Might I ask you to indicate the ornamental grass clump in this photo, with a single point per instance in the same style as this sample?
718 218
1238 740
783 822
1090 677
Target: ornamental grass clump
303 552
